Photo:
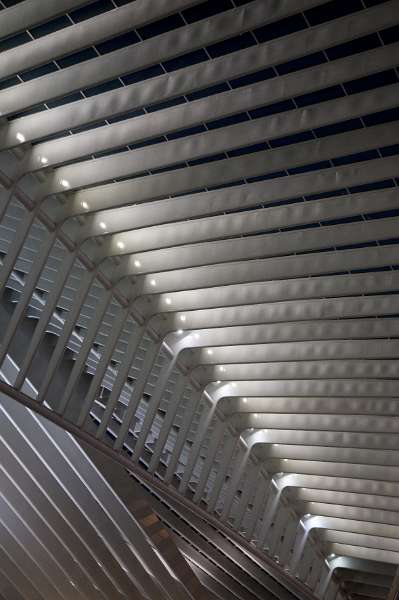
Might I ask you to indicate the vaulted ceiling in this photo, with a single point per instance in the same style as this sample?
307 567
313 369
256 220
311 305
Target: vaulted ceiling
199 277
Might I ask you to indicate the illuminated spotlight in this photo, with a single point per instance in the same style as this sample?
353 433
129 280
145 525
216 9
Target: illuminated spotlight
153 282
120 245
84 205
20 137
285 459
222 369
43 160
209 351
168 300
65 183
245 400
218 381
182 317
103 225
275 444
307 515
332 555
137 263
180 331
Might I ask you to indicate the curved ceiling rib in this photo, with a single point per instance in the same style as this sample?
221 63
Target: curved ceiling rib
199 216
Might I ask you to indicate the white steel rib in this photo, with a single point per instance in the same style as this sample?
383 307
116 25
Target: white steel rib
199 299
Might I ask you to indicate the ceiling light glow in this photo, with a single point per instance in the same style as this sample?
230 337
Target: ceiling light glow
84 205
137 263
64 183
153 282
120 245
20 137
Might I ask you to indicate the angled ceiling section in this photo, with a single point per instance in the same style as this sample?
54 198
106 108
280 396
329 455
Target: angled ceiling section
199 241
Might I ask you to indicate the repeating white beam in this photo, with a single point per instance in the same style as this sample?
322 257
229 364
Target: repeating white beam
16 18
84 34
216 173
239 341
231 225
147 53
247 133
190 79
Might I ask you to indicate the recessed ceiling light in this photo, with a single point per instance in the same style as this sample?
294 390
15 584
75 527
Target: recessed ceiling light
218 381
103 225
307 515
153 282
64 183
209 351
275 444
222 369
120 245
43 160
137 263
168 300
245 400
20 137
182 317
180 331
84 205
285 459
